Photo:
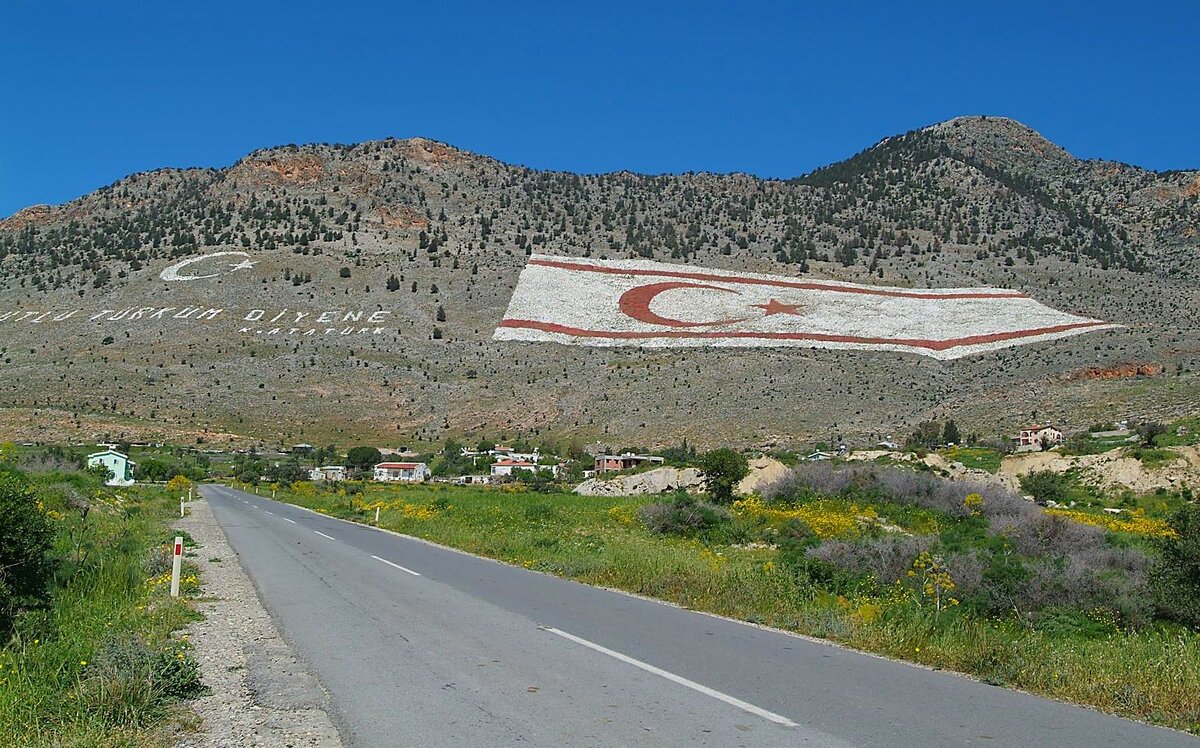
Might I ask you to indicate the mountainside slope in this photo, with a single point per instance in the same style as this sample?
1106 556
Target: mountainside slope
436 237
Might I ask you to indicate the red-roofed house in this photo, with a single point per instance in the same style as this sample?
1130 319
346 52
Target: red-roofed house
408 472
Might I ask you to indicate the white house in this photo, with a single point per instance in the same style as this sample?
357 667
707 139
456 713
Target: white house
506 467
474 480
328 473
118 465
406 472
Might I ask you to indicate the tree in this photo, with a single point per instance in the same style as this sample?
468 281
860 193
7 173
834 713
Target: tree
1147 431
344 272
950 434
362 458
723 469
441 314
925 436
393 283
26 536
1175 579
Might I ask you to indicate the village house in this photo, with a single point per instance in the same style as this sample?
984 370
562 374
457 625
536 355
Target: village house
119 466
404 472
1036 438
506 467
329 473
474 480
624 461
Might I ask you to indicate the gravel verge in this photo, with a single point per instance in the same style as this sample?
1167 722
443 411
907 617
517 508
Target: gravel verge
262 694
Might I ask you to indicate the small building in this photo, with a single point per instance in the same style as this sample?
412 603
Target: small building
474 480
303 449
328 473
1036 438
506 467
119 466
402 472
624 461
818 456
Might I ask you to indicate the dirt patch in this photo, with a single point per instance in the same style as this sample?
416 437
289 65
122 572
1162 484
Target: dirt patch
34 214
401 217
1115 372
433 153
298 169
763 472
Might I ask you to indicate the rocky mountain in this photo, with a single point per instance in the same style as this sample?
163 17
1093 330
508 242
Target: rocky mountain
428 241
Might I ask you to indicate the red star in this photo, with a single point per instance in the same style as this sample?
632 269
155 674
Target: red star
775 307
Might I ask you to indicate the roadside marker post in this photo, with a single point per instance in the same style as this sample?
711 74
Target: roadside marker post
377 515
181 505
176 564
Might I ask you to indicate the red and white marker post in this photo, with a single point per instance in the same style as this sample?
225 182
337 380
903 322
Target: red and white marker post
176 564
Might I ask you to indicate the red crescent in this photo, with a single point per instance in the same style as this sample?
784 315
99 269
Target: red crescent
635 303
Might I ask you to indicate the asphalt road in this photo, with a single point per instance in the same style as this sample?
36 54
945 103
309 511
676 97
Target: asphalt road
424 646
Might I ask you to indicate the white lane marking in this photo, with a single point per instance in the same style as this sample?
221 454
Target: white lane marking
254 505
324 535
398 566
744 706
285 519
268 511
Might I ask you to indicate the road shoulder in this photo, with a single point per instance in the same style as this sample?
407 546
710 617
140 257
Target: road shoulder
261 693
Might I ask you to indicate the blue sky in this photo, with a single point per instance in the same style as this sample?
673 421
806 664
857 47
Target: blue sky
94 91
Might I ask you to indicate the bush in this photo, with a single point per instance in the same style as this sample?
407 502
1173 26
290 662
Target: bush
25 539
686 515
1045 485
128 683
1175 579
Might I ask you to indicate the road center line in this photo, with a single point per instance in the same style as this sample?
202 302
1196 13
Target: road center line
285 519
268 511
744 706
324 535
398 566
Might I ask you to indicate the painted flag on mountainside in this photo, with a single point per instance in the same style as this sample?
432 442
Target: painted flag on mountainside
655 304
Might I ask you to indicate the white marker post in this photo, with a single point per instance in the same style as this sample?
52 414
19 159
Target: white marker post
376 515
181 505
176 565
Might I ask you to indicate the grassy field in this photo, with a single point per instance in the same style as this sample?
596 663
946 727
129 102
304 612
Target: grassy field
1148 674
978 458
101 664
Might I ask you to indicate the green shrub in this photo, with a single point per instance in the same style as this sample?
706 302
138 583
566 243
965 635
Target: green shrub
1046 485
1175 579
686 515
25 539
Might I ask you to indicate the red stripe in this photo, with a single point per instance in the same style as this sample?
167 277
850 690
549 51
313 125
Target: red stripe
806 285
935 345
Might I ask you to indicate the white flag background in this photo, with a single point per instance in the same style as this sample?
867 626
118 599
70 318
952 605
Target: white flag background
581 301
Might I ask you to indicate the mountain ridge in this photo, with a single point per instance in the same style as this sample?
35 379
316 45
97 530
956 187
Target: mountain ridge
439 234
